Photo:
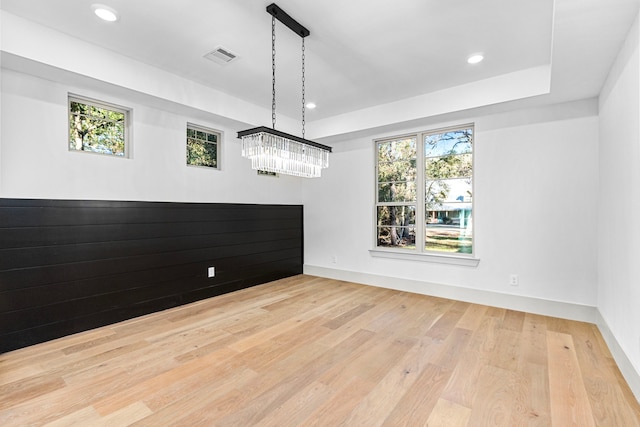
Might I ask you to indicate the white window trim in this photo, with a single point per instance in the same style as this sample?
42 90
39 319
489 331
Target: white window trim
419 253
71 97
206 129
464 260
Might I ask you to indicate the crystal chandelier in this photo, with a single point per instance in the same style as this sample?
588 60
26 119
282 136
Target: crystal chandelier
275 151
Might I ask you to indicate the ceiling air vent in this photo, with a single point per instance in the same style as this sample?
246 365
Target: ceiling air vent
221 55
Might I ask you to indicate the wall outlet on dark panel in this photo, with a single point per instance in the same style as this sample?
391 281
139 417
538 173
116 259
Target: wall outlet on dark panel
211 272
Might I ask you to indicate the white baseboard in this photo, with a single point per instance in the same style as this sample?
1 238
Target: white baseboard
624 364
563 310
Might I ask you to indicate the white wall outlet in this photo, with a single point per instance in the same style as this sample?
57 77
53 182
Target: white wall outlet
514 280
334 259
211 272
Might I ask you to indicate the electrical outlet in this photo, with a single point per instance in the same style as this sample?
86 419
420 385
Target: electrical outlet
514 280
334 259
211 272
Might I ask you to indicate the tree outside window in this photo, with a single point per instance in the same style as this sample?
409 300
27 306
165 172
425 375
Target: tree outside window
96 127
396 210
202 147
425 195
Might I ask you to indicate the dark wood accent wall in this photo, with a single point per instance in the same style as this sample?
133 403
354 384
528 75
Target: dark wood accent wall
68 265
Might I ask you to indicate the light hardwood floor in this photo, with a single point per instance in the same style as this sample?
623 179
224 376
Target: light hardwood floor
310 351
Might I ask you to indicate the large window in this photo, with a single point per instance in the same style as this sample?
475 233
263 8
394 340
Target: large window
424 191
97 127
202 146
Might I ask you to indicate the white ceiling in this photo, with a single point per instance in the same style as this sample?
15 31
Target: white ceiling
361 53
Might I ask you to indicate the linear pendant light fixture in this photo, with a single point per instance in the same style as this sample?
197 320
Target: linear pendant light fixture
275 151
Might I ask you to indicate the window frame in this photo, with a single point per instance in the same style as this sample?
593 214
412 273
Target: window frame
420 252
218 144
126 111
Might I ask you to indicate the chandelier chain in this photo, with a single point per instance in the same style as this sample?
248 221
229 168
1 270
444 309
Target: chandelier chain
303 93
273 72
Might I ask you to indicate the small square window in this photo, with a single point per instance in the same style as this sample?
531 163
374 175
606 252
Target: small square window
97 127
202 147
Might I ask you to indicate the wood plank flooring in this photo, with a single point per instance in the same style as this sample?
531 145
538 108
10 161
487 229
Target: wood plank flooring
306 351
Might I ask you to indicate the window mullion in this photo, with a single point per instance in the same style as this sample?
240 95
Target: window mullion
420 176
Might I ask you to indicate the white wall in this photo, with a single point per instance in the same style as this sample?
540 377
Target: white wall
535 208
28 45
35 161
619 201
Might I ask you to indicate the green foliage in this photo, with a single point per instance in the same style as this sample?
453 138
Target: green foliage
397 170
96 129
449 166
202 148
201 153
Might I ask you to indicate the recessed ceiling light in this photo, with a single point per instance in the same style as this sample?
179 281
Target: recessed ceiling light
475 58
105 13
310 105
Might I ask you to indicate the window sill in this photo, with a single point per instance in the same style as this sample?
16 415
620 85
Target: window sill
412 256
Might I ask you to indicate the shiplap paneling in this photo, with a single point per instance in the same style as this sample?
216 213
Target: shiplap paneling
71 265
